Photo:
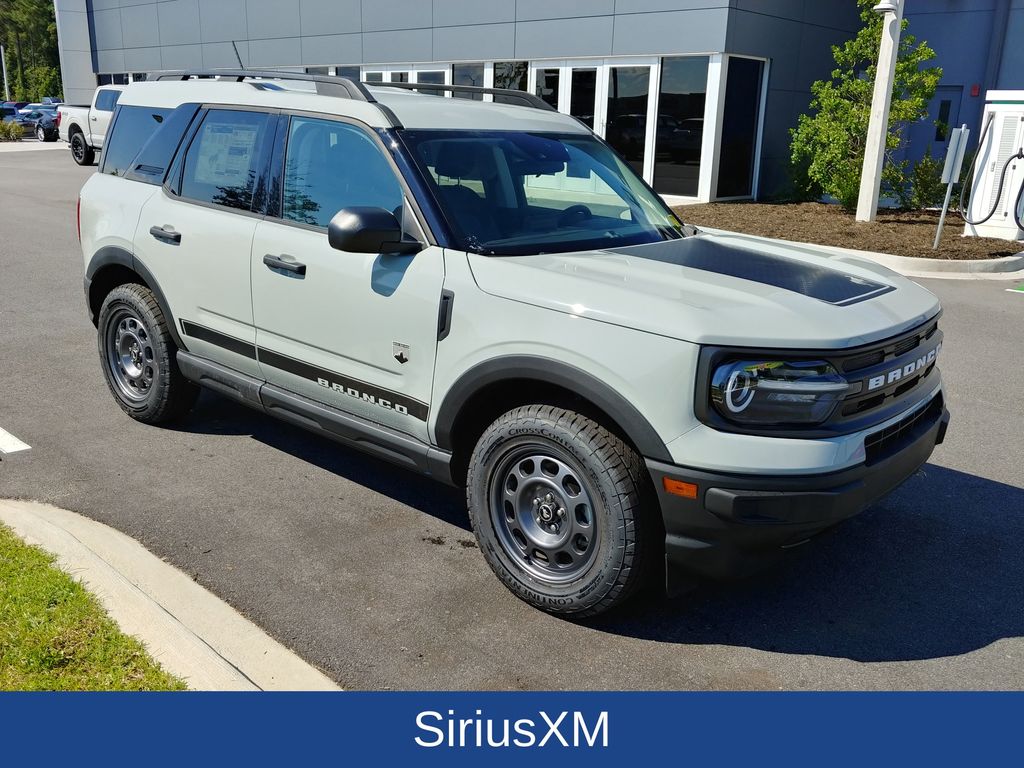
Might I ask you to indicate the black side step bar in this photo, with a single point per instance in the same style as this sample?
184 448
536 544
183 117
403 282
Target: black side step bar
346 428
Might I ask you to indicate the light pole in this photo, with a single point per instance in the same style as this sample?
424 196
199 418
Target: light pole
878 126
3 62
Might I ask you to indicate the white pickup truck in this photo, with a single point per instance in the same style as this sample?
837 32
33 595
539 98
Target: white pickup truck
85 126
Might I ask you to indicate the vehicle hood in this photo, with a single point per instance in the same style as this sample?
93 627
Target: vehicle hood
719 288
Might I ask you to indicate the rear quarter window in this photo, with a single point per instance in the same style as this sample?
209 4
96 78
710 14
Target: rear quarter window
153 160
131 129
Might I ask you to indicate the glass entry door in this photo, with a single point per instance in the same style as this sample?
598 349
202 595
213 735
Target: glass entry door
626 118
613 97
582 96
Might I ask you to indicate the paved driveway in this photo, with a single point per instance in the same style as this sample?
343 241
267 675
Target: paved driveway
371 573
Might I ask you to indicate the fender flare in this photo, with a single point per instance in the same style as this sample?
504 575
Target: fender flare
545 370
111 255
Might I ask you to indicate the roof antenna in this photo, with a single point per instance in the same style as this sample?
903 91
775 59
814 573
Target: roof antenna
240 64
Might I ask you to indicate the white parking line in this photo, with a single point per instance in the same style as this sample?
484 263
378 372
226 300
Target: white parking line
10 444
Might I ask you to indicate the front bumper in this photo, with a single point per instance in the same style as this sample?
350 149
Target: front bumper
736 523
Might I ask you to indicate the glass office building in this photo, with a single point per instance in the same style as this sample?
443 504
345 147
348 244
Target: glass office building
697 97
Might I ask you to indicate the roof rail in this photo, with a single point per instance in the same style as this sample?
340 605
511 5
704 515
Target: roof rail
528 99
326 85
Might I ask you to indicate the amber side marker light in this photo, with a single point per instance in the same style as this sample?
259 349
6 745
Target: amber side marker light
679 488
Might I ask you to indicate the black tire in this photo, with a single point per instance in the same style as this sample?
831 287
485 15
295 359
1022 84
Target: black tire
133 337
609 475
81 152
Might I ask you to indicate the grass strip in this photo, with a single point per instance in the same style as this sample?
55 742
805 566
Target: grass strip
54 635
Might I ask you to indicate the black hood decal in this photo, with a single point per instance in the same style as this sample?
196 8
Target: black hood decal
828 285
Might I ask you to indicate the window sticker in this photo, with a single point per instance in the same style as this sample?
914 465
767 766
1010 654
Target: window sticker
225 154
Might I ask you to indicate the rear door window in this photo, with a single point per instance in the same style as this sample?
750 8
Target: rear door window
106 99
227 153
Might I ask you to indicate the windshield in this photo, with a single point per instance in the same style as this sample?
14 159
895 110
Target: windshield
513 192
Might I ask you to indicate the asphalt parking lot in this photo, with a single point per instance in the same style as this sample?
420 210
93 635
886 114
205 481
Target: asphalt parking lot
372 574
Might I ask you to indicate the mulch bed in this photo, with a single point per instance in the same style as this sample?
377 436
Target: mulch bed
903 233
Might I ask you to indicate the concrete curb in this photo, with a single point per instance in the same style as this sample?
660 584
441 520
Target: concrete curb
1005 268
191 632
30 145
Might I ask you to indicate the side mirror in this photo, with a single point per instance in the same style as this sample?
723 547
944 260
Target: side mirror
364 229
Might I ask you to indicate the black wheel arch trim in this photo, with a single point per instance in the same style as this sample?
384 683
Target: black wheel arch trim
111 255
548 371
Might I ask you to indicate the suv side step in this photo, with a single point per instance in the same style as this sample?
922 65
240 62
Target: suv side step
346 428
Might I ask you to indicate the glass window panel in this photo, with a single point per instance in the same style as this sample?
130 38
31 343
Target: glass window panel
399 77
132 128
352 73
107 100
317 70
375 77
684 83
547 86
432 76
942 124
628 94
739 127
513 75
468 74
330 166
224 158
583 95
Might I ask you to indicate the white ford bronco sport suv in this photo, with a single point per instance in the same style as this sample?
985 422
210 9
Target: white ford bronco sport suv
484 292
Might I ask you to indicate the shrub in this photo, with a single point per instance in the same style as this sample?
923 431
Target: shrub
10 131
830 144
926 181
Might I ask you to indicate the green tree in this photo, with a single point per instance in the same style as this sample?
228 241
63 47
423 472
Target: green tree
828 147
28 31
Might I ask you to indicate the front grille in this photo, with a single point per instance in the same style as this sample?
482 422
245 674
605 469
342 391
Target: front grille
880 361
895 437
877 356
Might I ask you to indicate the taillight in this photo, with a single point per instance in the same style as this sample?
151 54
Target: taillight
78 219
56 119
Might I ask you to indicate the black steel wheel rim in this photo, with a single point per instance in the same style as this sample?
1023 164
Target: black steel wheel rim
131 357
543 513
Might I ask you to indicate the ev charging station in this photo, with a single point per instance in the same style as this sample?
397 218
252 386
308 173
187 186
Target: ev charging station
996 205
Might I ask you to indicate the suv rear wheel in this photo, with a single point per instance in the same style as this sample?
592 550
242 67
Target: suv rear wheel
556 503
138 357
80 151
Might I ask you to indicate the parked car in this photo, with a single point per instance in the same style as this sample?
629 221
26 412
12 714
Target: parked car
15 105
85 127
622 396
52 100
40 123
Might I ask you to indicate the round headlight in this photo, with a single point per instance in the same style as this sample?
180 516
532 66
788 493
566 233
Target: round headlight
776 392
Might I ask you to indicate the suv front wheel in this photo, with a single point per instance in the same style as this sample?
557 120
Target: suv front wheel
138 357
556 502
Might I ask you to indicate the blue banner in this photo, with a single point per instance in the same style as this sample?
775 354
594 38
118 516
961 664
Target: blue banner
450 729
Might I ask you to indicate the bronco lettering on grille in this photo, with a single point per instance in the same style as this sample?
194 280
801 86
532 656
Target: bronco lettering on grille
896 374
